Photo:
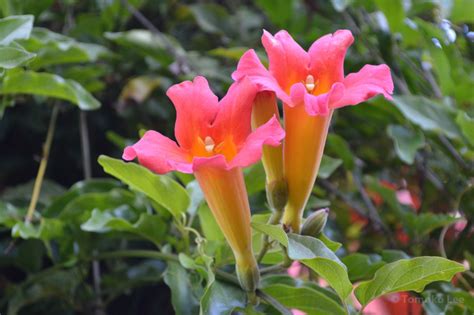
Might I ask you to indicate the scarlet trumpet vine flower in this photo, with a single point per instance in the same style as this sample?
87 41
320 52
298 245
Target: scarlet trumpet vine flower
311 85
215 142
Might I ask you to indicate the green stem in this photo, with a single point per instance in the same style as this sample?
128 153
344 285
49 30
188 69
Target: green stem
274 219
137 254
43 164
271 301
273 268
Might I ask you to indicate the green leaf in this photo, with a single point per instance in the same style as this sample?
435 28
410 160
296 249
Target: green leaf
462 11
196 196
407 142
233 53
11 57
139 88
304 299
255 178
428 114
314 254
221 299
160 188
407 275
391 255
361 266
146 43
279 11
394 12
422 224
50 85
55 49
274 231
148 226
210 17
15 27
332 245
208 224
466 124
182 297
340 5
47 230
338 146
328 166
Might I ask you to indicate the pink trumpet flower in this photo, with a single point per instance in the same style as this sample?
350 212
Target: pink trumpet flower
215 142
311 85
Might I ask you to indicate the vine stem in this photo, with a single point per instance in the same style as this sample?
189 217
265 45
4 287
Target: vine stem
43 164
274 219
85 144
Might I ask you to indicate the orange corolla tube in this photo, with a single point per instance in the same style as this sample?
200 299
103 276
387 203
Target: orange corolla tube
303 154
215 142
265 107
311 84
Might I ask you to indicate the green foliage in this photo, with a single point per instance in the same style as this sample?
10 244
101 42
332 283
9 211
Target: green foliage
161 189
395 174
413 274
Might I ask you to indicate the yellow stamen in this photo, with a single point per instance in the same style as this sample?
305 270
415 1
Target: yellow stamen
209 144
310 85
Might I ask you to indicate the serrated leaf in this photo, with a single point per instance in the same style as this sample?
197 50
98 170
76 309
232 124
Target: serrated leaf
160 188
49 85
407 275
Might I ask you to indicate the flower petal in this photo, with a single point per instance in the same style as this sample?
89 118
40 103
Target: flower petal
235 109
270 133
327 58
196 107
158 153
288 61
215 161
316 104
250 65
320 104
368 82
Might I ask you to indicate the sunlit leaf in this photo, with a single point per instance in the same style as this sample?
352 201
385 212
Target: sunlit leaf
11 57
407 275
15 27
49 85
160 188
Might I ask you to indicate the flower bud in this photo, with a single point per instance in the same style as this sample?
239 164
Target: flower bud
277 194
248 274
315 223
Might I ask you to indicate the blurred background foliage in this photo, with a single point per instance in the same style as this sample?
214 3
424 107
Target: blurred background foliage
398 176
